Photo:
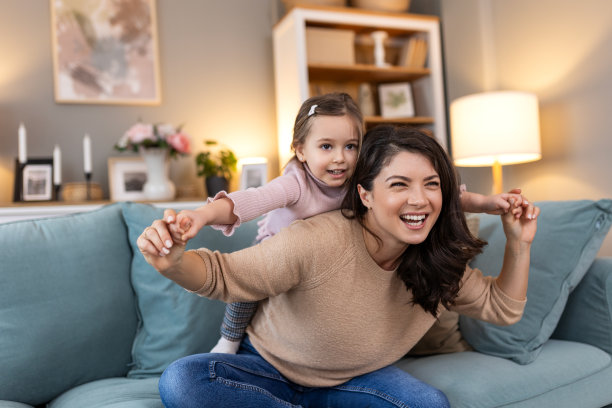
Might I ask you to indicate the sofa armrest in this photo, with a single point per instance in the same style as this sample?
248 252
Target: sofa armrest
587 317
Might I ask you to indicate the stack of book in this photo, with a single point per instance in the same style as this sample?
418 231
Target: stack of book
414 52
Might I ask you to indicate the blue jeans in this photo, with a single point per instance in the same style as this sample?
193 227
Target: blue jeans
246 380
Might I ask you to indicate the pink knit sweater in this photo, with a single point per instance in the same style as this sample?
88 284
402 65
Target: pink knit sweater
295 195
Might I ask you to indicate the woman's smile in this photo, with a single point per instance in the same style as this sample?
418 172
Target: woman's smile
414 221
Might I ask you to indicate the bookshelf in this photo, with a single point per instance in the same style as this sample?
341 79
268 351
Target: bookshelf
413 53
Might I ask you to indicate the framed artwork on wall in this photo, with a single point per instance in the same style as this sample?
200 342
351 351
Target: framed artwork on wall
105 52
126 178
396 100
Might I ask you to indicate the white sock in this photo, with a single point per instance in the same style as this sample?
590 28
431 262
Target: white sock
226 346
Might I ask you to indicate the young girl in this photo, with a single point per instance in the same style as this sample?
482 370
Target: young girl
326 138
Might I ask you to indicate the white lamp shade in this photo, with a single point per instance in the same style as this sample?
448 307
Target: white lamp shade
495 126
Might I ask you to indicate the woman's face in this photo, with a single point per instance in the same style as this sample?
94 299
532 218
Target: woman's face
405 200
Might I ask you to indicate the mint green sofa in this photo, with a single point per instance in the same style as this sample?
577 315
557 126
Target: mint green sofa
85 322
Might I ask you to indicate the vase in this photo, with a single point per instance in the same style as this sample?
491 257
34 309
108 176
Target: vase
158 186
214 184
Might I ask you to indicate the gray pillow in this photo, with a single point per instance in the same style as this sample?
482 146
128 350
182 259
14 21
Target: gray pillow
567 241
173 322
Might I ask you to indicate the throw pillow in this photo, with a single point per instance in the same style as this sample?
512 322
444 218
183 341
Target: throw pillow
567 241
67 309
173 323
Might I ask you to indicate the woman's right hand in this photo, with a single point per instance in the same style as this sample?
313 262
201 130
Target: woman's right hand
160 247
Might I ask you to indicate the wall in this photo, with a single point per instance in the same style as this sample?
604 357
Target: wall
217 79
562 51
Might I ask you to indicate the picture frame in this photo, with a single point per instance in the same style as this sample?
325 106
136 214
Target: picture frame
396 100
126 178
253 174
34 180
105 52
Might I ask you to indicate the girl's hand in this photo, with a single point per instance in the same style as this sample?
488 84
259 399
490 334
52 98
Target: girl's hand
520 224
499 204
159 248
190 222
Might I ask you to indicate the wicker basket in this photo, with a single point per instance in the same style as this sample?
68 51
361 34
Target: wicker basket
77 192
397 6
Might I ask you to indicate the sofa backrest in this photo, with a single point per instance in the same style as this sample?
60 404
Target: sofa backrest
67 308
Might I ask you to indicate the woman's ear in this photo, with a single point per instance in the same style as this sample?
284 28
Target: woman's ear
365 196
299 153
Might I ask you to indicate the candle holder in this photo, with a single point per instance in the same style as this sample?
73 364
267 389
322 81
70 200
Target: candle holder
88 182
18 188
56 188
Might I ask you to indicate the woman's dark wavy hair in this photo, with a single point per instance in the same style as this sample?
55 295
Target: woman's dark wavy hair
433 269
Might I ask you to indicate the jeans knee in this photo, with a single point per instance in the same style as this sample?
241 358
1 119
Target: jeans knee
179 380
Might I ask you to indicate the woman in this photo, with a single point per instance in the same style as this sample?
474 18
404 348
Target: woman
346 294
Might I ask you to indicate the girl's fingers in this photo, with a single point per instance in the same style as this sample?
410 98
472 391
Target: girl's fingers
169 215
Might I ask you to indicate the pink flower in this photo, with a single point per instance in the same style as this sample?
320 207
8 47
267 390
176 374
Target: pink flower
139 133
179 141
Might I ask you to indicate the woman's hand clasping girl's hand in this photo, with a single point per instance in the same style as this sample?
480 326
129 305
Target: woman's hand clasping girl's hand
520 223
161 244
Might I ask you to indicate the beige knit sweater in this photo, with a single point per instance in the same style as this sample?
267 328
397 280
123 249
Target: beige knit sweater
329 312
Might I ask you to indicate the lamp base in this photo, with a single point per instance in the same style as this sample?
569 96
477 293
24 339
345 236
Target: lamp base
498 180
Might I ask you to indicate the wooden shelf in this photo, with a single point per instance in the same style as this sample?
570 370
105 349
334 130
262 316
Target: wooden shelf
416 120
364 73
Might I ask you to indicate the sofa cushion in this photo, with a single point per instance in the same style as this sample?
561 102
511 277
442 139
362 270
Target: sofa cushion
173 322
567 241
475 380
112 393
67 309
587 315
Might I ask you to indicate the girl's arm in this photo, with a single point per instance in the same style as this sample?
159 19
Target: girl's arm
493 204
232 209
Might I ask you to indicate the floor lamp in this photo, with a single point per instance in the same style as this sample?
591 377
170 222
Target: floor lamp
495 129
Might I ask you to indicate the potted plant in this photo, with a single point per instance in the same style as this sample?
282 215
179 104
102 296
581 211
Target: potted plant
216 164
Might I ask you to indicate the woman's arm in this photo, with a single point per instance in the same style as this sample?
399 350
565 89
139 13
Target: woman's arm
520 233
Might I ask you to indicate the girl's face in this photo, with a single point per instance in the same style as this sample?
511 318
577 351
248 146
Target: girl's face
330 149
405 200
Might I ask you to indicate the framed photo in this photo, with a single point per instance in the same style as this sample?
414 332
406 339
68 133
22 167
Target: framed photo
105 52
396 100
126 178
253 174
36 180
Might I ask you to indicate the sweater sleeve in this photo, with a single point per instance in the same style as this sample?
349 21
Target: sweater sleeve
249 204
481 298
272 267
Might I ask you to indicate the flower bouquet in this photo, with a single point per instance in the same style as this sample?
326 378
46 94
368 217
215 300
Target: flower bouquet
161 136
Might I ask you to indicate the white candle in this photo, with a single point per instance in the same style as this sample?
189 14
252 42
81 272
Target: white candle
57 166
23 152
87 153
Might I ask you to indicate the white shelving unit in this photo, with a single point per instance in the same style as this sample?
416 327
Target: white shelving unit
294 75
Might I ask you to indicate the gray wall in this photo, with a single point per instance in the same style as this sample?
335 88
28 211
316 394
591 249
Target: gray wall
217 79
562 51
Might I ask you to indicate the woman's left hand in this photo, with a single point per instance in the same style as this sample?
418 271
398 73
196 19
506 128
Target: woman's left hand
520 223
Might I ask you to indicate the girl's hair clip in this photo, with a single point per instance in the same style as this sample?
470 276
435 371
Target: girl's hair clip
312 110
